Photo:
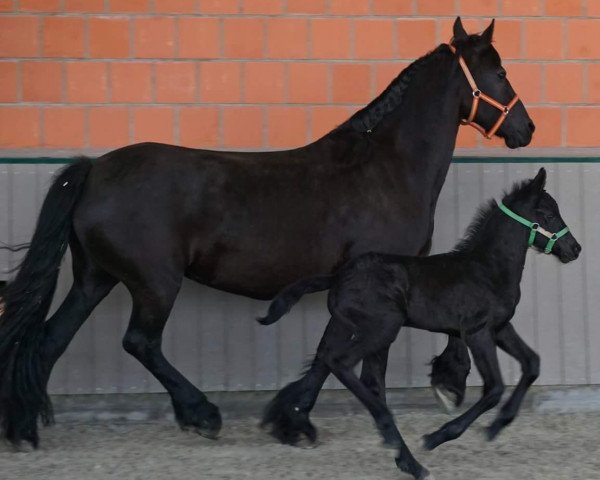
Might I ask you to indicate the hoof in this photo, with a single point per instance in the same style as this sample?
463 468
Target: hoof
203 419
492 431
448 400
289 425
432 440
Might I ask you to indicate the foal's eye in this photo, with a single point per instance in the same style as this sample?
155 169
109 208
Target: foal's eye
502 74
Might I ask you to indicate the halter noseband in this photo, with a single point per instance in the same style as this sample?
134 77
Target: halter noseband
479 95
534 229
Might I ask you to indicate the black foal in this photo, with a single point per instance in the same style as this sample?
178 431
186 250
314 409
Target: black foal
470 292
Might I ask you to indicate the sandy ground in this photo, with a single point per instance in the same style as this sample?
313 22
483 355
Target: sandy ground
536 446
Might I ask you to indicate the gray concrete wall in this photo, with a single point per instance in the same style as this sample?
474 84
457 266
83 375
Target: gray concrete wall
214 340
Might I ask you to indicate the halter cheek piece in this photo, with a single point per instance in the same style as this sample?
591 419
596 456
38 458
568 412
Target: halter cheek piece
534 229
479 95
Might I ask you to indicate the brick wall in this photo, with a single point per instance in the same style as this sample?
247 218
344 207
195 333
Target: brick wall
97 74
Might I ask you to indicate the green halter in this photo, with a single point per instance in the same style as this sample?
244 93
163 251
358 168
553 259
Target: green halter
535 228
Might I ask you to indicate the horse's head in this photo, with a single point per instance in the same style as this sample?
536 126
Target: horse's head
538 207
488 85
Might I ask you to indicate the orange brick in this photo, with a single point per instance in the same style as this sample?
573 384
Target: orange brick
330 38
219 6
18 36
176 82
39 5
563 8
544 39
487 8
86 82
507 38
175 6
242 127
548 126
526 80
306 6
385 73
153 124
582 126
467 137
220 82
63 37
581 39
199 37
351 83
593 8
129 6
19 127
109 127
243 37
326 118
308 82
6 5
374 39
287 38
349 7
154 37
564 82
415 37
84 6
520 8
436 7
131 82
64 127
265 7
109 37
8 81
287 126
264 82
594 83
42 81
199 127
394 7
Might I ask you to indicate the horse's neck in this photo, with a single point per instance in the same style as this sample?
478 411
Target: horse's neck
502 248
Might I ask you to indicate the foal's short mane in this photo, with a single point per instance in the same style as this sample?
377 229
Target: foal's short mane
368 117
483 215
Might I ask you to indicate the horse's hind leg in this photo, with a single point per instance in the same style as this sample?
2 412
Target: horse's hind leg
287 415
449 372
373 372
509 341
152 303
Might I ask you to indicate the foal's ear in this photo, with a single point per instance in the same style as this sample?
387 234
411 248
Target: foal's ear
539 182
458 30
488 33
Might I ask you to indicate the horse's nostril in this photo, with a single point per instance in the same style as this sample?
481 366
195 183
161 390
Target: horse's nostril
531 126
577 249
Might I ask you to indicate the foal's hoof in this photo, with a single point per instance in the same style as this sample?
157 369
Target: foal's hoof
432 440
203 419
449 401
288 424
492 431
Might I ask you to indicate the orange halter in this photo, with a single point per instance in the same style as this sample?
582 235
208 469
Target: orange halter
479 95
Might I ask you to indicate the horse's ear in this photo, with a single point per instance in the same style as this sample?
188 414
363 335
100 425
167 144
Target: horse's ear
458 30
488 33
539 182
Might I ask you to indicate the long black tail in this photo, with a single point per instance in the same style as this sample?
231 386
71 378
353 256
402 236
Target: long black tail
27 298
289 296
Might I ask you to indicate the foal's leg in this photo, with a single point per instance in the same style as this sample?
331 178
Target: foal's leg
373 372
509 341
287 414
483 348
152 302
449 373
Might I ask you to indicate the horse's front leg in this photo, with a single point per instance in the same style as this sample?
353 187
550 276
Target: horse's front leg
483 348
287 415
509 341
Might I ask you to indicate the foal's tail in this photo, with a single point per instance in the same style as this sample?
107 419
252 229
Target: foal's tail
26 301
290 295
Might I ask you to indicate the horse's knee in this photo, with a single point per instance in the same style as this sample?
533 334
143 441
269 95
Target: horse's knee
494 394
138 344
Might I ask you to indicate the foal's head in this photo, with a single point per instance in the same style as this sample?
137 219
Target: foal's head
485 65
533 203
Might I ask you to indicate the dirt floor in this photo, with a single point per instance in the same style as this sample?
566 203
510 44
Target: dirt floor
537 446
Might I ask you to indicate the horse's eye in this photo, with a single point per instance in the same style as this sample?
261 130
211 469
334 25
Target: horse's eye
502 74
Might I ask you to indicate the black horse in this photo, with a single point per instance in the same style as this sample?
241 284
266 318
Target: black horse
149 215
471 292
